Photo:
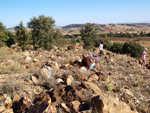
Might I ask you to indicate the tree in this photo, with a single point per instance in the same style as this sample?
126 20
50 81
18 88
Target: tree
22 36
42 31
116 47
57 37
88 34
132 48
2 28
3 37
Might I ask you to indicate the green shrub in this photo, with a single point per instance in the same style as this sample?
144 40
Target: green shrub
132 48
137 84
116 47
107 44
107 87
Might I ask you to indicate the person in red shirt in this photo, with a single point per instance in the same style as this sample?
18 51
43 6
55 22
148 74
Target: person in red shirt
86 62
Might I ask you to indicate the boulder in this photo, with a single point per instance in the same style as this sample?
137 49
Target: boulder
59 80
23 104
8 100
34 79
27 58
43 105
93 78
36 60
2 108
65 108
67 94
75 105
91 85
108 104
68 80
16 98
26 53
47 71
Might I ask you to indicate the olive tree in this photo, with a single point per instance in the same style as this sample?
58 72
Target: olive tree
42 31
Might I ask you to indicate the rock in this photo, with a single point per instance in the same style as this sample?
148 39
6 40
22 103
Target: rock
27 58
8 111
80 77
108 104
8 100
75 105
16 98
91 85
23 104
68 80
65 108
71 47
67 94
128 92
93 78
28 80
26 53
2 108
8 105
36 60
59 80
35 80
47 71
43 105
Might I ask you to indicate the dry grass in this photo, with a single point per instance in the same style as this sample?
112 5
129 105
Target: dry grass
12 68
9 87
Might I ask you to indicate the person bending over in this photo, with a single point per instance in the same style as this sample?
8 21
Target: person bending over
86 62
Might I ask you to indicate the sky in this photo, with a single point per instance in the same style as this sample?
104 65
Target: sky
66 12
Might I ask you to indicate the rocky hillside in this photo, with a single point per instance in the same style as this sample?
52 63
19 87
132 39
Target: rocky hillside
54 82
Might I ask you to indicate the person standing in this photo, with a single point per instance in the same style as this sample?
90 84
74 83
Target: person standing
101 48
86 62
144 58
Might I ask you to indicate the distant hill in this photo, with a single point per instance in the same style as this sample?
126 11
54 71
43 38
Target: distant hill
103 28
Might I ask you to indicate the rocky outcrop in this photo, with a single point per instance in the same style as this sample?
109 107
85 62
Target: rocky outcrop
43 105
65 94
109 104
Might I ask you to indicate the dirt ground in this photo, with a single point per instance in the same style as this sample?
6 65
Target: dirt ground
143 41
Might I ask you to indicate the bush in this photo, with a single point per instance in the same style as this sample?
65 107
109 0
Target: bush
107 87
116 47
107 44
132 48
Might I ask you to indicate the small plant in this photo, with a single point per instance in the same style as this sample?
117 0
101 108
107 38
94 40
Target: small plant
137 84
107 87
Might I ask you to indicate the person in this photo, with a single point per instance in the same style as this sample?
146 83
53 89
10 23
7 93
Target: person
86 62
92 55
101 48
144 58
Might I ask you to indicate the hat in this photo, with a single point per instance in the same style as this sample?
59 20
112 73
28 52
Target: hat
145 49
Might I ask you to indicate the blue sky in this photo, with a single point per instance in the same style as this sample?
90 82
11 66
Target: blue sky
66 12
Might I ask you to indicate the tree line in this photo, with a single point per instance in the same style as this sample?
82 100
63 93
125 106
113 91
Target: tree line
42 35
